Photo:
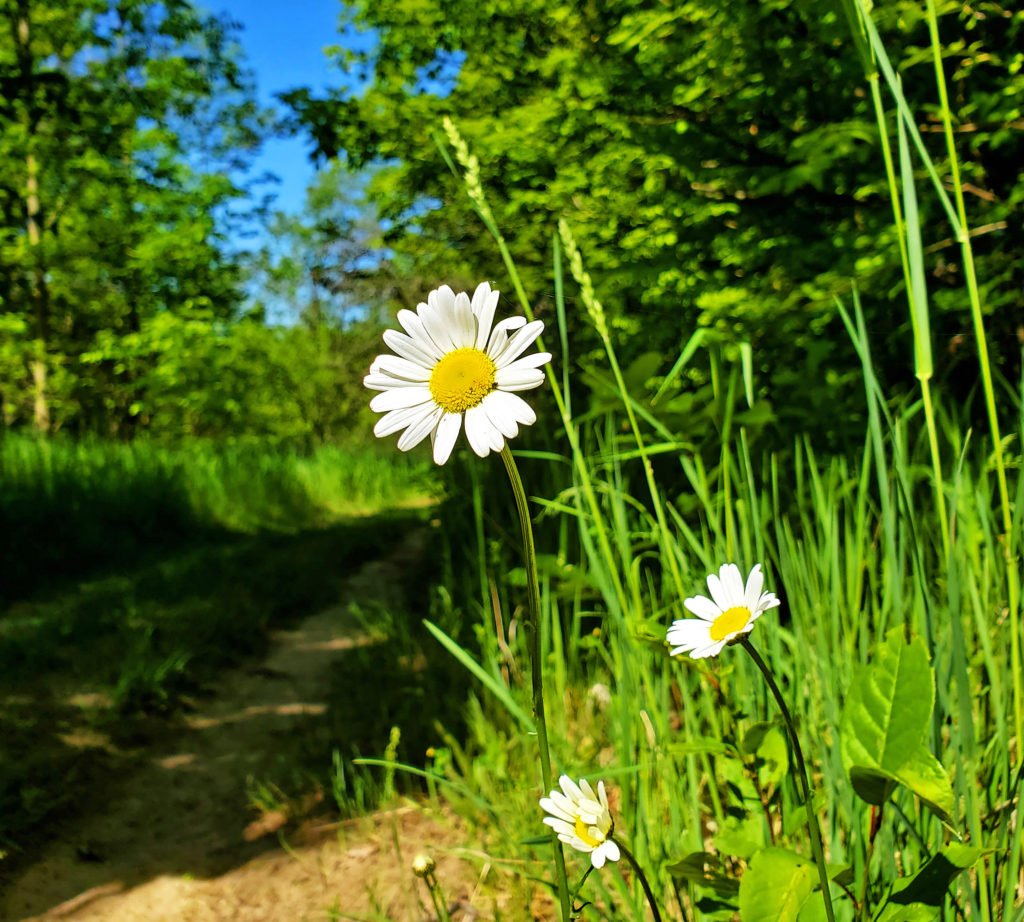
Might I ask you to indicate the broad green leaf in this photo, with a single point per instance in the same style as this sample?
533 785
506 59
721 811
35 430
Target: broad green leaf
705 870
741 836
912 913
885 723
929 885
776 886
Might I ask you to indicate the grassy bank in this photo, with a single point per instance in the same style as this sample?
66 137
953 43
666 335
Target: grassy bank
68 508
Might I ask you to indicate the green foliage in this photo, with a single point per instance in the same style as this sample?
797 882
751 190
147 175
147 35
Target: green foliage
928 887
719 166
195 376
120 125
776 886
886 726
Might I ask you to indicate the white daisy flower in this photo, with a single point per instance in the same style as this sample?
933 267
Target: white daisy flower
582 819
454 365
729 613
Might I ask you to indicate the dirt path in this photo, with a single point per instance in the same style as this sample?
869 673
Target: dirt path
176 839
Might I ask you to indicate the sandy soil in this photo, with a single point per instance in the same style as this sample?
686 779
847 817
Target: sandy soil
175 838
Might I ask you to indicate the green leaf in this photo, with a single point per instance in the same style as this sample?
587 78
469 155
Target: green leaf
776 886
884 727
705 870
929 885
913 913
741 836
493 684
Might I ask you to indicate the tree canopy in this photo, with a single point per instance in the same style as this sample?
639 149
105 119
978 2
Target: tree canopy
719 165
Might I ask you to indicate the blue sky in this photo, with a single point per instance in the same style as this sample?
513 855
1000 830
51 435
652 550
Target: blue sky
283 41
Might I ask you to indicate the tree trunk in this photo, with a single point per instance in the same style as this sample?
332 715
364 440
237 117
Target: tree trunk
38 292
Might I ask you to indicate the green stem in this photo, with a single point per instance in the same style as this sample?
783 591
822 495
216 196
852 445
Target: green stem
974 297
642 878
579 887
536 659
805 786
437 898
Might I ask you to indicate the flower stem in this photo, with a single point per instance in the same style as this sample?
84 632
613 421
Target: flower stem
805 786
437 898
536 657
643 880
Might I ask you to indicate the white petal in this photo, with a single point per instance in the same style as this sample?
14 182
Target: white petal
718 592
514 379
478 430
445 435
443 299
768 600
400 397
755 583
687 635
602 794
419 430
519 343
376 381
571 789
611 850
463 331
503 421
703 607
401 368
510 406
732 580
533 360
587 790
399 419
567 804
409 348
564 827
712 649
557 812
597 858
435 325
412 325
485 302
499 335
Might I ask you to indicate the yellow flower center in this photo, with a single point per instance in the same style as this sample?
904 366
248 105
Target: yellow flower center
461 379
583 832
728 622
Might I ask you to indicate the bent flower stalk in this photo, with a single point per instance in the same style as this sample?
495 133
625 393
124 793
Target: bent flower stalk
455 368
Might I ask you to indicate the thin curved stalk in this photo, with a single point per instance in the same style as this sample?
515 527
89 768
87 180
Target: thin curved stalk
805 785
536 660
643 880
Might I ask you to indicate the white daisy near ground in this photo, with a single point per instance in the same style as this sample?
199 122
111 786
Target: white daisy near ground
455 367
729 613
582 819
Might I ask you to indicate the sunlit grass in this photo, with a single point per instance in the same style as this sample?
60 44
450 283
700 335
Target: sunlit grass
69 506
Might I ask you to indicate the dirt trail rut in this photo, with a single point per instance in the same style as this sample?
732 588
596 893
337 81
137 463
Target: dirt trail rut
174 839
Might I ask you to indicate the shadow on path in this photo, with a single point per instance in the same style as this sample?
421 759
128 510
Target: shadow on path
180 810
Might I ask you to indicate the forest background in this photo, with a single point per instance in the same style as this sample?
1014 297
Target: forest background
720 168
